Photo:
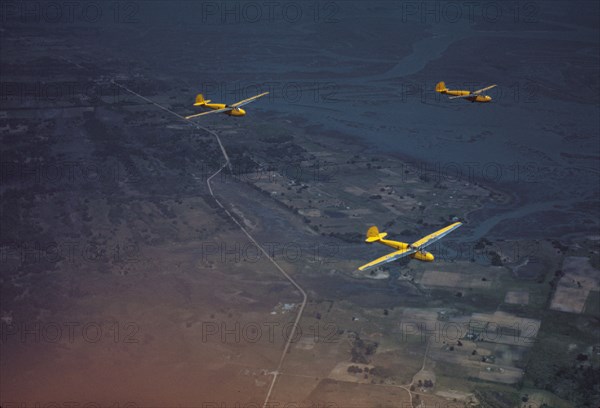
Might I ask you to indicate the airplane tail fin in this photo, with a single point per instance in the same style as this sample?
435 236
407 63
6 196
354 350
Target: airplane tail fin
200 101
373 234
441 87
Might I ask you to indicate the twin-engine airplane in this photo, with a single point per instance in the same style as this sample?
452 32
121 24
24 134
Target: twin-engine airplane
231 110
414 250
475 96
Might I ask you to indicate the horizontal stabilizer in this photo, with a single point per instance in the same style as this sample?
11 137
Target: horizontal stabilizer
373 234
379 237
200 101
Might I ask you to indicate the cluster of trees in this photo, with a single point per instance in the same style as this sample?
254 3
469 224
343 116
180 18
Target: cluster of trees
573 378
427 383
361 349
579 383
375 371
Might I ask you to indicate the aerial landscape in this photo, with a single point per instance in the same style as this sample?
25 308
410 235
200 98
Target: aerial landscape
195 194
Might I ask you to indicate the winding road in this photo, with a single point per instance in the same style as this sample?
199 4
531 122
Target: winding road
250 237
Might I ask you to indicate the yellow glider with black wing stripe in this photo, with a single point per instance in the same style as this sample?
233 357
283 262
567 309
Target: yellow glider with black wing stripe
475 96
231 110
414 250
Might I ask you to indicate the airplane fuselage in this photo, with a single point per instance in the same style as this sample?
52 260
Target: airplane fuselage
474 98
233 112
419 255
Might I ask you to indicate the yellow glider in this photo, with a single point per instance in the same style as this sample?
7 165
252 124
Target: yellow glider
475 96
231 110
414 250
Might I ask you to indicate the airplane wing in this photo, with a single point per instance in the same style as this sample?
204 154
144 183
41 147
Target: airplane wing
463 96
388 258
246 101
209 112
483 89
436 236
